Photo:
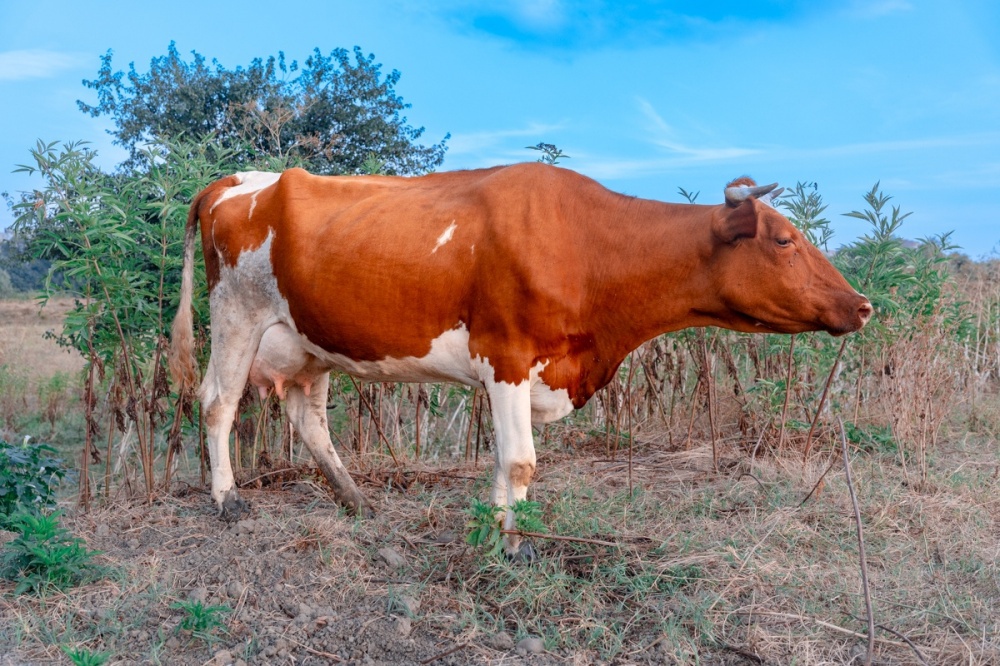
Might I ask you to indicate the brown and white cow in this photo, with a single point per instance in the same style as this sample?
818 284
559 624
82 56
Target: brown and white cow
529 281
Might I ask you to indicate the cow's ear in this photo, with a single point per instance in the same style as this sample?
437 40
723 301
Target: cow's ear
735 222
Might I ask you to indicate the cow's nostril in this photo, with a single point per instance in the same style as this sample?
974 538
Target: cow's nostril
865 311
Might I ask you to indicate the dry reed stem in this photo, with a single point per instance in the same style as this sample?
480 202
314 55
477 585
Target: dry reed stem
861 546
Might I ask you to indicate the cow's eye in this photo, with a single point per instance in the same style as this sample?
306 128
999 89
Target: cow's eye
784 242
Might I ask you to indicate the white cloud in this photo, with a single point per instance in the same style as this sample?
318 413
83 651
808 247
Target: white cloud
870 9
664 136
34 64
875 147
476 143
538 14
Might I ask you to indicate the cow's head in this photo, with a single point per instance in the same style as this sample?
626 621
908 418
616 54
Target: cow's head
769 277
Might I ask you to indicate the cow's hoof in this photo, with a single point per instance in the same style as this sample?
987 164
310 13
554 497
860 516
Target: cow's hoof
523 554
360 507
233 507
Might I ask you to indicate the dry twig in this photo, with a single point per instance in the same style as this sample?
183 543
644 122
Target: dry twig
861 546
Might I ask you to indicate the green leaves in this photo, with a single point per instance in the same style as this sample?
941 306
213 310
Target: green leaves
805 205
29 476
330 113
200 620
484 527
485 523
44 557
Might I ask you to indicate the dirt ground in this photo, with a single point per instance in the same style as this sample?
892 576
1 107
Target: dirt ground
726 568
306 585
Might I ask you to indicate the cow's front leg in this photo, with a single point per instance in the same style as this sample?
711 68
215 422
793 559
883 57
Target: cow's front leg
515 454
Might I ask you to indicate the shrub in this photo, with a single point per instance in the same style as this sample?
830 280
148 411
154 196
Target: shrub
44 557
29 475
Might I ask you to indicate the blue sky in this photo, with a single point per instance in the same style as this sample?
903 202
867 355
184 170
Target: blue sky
646 97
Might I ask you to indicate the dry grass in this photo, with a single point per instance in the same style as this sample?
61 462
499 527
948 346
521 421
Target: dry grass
36 375
23 346
709 568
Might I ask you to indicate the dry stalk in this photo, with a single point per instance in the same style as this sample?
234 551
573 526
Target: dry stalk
788 393
861 546
375 420
822 399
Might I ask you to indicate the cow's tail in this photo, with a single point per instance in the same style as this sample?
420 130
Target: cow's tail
183 368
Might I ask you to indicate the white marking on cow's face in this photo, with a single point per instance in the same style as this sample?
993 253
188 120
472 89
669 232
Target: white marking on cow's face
251 182
445 236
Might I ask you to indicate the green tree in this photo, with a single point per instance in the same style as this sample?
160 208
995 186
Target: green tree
331 113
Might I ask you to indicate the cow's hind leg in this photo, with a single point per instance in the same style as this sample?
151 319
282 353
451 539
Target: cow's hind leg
233 349
515 456
308 414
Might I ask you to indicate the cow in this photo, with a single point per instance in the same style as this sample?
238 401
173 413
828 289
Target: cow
529 281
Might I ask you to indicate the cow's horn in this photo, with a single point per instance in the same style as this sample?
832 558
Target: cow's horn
740 193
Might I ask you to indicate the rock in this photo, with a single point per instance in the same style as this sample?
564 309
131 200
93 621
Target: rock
502 641
391 557
173 643
198 594
288 608
407 604
403 626
246 526
305 612
530 645
235 589
102 530
223 658
133 544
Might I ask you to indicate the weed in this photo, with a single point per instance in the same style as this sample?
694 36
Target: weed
29 475
84 657
485 529
201 620
44 557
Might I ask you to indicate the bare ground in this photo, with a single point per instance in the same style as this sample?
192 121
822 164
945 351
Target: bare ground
706 568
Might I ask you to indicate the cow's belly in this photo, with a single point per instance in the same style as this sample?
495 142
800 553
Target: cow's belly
285 358
448 360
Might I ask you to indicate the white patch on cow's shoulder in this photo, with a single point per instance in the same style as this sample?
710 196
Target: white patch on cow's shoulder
445 236
547 405
250 182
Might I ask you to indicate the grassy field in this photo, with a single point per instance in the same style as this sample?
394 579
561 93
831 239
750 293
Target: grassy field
663 560
38 378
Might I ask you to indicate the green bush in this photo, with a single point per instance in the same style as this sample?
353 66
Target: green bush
44 557
29 476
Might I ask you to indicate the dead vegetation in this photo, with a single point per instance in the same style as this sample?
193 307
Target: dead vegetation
724 568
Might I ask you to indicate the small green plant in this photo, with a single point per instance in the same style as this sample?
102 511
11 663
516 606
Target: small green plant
201 620
484 528
485 523
551 154
29 475
84 657
44 557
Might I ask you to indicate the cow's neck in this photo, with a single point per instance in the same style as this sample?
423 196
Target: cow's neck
651 276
